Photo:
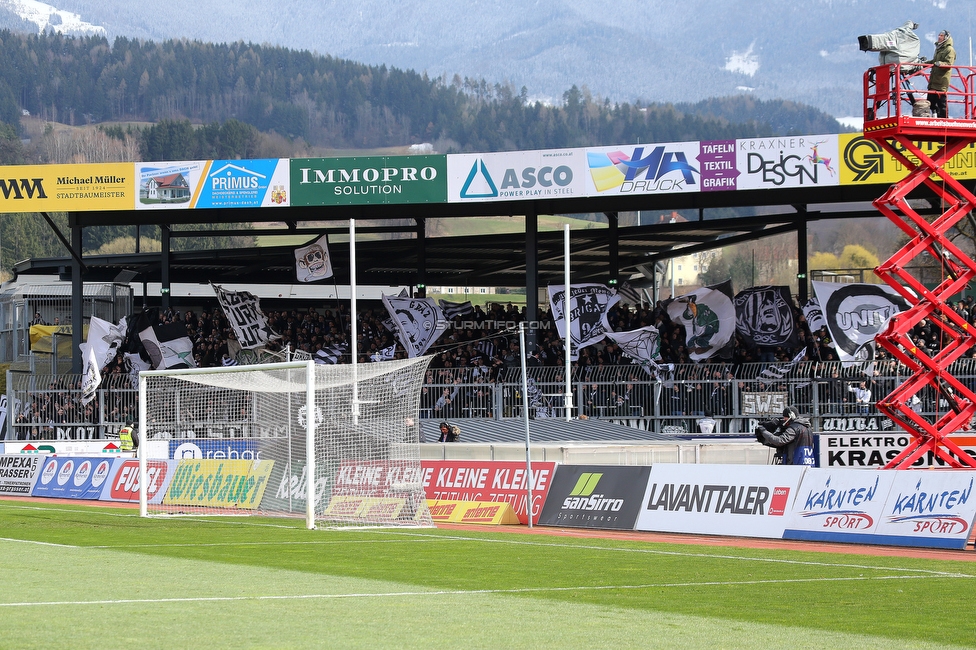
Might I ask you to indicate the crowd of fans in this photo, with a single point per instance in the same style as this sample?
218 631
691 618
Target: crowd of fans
476 353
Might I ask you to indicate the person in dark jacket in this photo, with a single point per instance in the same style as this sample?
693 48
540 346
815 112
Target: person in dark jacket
941 73
791 436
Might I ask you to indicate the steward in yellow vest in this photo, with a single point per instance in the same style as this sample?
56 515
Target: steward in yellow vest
127 438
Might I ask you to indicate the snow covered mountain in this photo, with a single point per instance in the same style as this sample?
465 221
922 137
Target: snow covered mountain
624 50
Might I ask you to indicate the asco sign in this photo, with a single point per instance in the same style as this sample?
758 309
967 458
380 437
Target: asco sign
515 176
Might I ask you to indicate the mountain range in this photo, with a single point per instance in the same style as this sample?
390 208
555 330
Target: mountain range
621 50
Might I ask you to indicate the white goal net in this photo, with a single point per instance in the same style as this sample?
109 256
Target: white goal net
336 444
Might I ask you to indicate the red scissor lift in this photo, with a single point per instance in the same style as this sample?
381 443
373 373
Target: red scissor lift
889 97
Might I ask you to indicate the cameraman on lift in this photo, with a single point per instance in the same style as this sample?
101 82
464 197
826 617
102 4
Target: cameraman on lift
791 436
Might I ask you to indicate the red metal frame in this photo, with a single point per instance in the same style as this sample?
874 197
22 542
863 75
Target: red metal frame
886 90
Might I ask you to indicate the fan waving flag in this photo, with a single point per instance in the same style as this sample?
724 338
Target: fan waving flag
313 262
168 345
417 322
764 316
776 373
642 345
243 310
855 314
91 375
708 316
453 309
588 307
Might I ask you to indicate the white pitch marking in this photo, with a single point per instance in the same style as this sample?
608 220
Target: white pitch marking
451 592
32 541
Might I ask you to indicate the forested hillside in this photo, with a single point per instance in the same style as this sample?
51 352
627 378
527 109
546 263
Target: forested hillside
326 102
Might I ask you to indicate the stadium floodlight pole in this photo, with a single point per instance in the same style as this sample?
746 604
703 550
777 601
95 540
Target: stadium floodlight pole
525 416
141 450
568 397
353 325
310 425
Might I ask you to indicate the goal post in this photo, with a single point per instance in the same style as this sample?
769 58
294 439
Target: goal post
338 445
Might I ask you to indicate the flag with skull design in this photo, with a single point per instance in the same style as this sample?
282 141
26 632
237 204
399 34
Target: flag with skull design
313 262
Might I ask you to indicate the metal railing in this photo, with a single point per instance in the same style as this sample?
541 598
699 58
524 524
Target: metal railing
693 399
892 90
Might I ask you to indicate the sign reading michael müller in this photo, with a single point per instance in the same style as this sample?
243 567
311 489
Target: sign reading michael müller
369 181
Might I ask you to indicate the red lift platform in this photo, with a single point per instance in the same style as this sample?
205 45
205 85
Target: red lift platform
924 145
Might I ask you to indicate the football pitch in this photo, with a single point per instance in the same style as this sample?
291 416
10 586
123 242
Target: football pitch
98 577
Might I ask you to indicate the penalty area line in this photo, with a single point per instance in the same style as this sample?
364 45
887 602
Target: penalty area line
457 592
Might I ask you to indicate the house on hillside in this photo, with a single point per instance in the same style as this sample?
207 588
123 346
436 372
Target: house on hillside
172 188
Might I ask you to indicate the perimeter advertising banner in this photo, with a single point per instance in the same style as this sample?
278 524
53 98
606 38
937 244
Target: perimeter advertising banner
244 184
515 176
839 505
935 508
168 185
864 162
219 483
64 447
370 180
73 477
595 496
665 168
788 161
66 188
497 481
18 473
123 482
873 449
739 500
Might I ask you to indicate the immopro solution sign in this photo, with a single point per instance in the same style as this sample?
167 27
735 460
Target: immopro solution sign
368 180
515 175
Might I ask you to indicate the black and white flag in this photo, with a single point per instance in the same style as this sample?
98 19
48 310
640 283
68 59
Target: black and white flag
454 309
588 307
642 345
243 310
168 345
417 321
775 373
708 316
814 315
629 294
855 314
764 316
313 262
330 354
385 354
91 374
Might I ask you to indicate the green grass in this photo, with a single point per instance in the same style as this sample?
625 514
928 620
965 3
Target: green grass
80 576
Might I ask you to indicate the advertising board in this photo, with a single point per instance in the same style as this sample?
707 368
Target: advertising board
496 481
872 449
595 496
123 482
740 500
73 477
515 175
18 473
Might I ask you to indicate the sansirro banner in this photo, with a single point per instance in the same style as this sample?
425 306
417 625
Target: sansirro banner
368 180
595 496
67 188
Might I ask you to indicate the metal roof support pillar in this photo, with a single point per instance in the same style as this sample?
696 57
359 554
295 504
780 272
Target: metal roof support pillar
613 246
802 272
531 275
421 258
77 302
164 267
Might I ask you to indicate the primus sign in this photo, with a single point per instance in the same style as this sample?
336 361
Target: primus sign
363 181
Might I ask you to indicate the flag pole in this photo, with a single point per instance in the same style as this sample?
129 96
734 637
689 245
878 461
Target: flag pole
525 416
568 397
354 321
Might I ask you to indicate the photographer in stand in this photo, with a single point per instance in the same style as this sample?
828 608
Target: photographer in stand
791 436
